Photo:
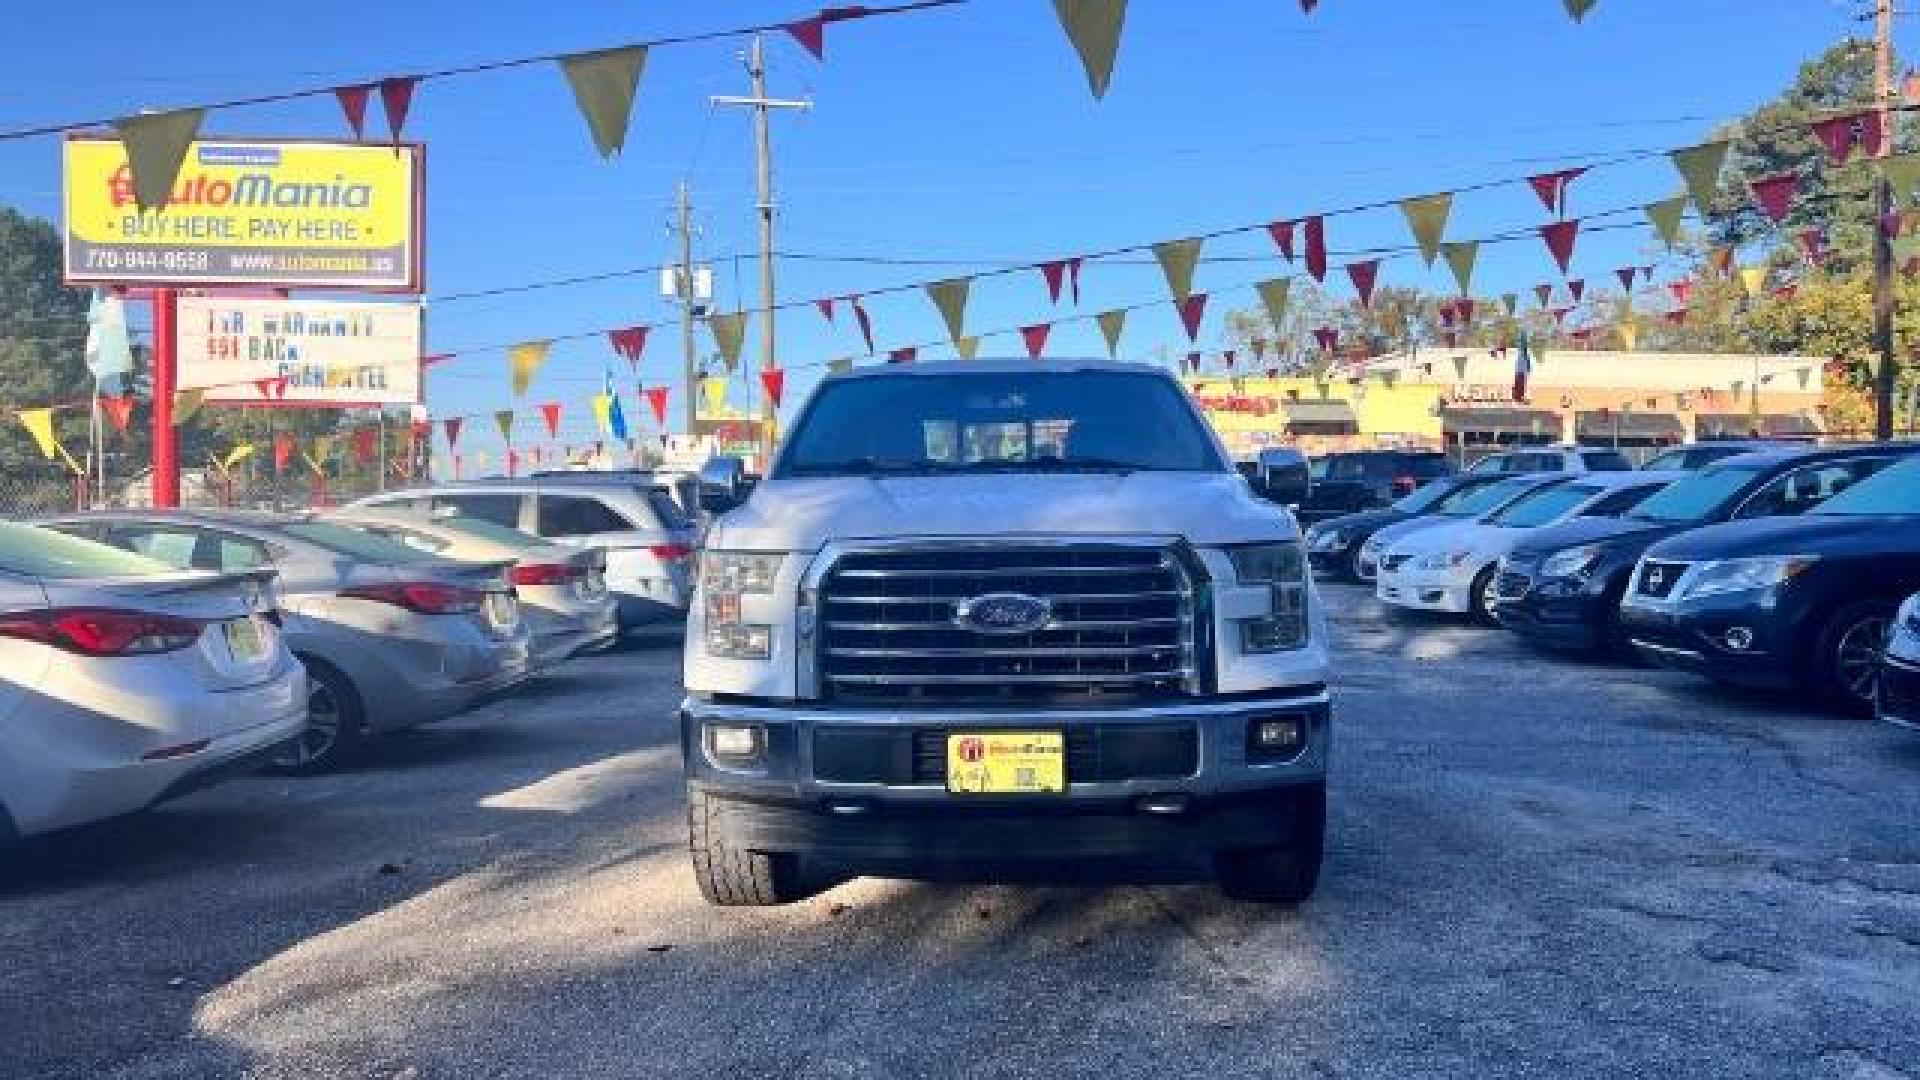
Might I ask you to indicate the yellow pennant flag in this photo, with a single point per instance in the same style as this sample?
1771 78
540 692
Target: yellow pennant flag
1700 167
1754 279
1427 217
951 298
714 390
603 412
1093 26
39 424
1111 324
1460 259
1273 296
1177 260
156 144
967 347
185 404
1629 335
318 457
729 330
604 84
523 360
236 455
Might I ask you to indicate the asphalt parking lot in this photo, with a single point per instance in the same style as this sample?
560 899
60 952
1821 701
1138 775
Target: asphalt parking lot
1537 868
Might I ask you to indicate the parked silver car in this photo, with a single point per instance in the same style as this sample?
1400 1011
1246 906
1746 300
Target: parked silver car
563 590
391 636
648 538
128 682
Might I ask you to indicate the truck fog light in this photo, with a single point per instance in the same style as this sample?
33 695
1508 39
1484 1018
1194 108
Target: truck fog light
1737 638
736 743
1274 737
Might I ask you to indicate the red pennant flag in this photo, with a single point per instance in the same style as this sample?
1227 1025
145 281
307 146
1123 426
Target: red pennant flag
903 356
1677 316
1682 291
1814 243
363 444
513 462
1892 222
550 412
1193 364
1840 134
1192 310
860 316
1067 270
119 410
1282 233
1559 237
353 102
1560 315
275 387
1465 306
1545 294
657 398
825 304
397 96
1578 287
1775 194
1364 275
1317 248
1328 337
283 445
1035 337
1552 187
419 431
452 424
775 381
1625 274
629 342
811 34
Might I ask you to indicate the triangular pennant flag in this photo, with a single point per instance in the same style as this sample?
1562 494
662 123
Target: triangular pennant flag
1273 297
1035 338
951 298
1682 291
1544 293
39 424
283 447
604 83
1177 259
503 419
353 105
1839 134
774 381
1259 349
365 442
1282 233
1093 26
860 317
602 404
523 360
904 355
1427 217
1111 324
156 144
1775 194
1665 216
1560 314
1511 302
1578 288
550 412
1903 174
1814 243
453 424
1578 8
1464 306
185 404
1460 368
1677 316
729 330
1226 361
1629 335
271 389
119 410
714 390
1753 279
967 347
396 96
1316 228
1721 260
825 305
657 401
1364 275
1559 236
1058 271
811 34
1328 338
1552 188
1700 167
629 342
1625 274
616 414
1192 310
1460 259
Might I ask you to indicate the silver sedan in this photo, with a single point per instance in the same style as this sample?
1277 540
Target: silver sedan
128 682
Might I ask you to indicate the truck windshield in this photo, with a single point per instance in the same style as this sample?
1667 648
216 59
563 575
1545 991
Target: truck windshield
1078 421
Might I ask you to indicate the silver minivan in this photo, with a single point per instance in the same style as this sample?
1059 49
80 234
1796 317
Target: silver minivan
648 538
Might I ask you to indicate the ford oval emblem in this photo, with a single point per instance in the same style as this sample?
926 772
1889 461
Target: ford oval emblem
1004 613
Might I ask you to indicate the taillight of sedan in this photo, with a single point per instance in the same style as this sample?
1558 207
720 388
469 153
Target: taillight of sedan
671 552
104 631
546 574
425 597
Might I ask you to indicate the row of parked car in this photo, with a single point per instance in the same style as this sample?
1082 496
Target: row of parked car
1764 565
147 653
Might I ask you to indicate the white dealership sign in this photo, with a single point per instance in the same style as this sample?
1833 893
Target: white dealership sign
238 349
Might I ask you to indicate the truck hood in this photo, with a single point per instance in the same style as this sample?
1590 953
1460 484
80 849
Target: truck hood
802 514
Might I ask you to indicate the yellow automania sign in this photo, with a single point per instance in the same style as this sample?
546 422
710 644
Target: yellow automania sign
263 213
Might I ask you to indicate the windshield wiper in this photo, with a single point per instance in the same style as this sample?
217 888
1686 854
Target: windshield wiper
866 466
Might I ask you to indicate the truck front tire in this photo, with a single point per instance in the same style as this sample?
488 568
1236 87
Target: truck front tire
735 877
1281 873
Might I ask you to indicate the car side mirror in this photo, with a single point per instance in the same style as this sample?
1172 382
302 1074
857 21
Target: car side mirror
717 499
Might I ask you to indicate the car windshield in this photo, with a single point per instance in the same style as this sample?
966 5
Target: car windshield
364 547
1893 491
490 530
49 553
1425 497
1699 497
1543 507
1079 421
1492 497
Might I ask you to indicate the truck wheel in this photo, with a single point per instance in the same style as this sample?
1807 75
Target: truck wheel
1284 873
732 877
1846 658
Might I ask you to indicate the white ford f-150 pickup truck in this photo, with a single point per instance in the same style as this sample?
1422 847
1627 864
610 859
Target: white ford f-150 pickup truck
995 613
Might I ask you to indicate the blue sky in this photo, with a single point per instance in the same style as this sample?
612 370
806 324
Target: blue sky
964 135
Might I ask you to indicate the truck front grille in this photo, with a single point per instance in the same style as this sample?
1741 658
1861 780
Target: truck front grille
1121 626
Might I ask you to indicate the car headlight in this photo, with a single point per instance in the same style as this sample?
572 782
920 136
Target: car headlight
1282 568
1328 539
1908 621
1741 575
1572 563
1445 560
725 577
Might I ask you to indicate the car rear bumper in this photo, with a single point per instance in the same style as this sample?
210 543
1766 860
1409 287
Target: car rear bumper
856 784
1897 692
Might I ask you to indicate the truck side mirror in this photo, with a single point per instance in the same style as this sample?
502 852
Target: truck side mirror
722 485
1282 476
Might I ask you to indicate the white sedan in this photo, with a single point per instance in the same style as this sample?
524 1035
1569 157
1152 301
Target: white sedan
1451 567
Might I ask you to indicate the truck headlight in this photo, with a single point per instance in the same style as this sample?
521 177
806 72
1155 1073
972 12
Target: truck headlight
1741 575
1283 569
726 576
1572 563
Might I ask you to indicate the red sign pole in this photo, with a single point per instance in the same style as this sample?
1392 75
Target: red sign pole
166 358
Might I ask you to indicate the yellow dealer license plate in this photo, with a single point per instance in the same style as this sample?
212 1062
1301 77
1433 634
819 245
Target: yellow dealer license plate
1006 762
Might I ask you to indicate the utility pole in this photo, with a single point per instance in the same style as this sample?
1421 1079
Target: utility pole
1883 206
683 287
762 105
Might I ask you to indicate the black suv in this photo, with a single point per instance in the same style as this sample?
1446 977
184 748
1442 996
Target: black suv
1333 546
1795 603
1562 587
1347 483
